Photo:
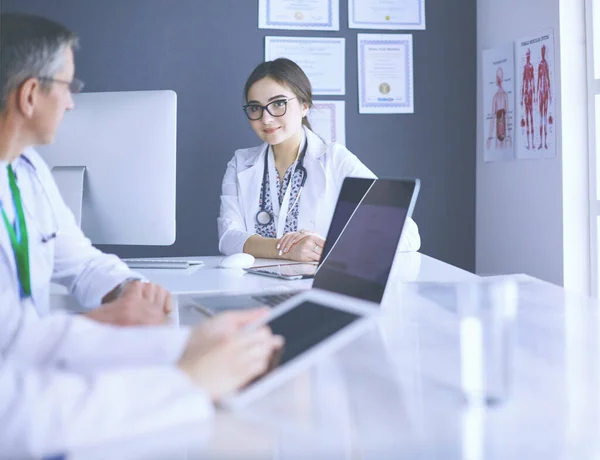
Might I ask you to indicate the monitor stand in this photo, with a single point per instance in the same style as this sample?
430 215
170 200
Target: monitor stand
69 180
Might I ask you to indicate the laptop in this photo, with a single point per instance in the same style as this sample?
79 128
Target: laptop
363 238
351 194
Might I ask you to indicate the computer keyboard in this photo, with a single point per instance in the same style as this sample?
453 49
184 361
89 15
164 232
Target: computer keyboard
274 299
162 264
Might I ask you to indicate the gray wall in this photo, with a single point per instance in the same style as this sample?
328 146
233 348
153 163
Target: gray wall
205 49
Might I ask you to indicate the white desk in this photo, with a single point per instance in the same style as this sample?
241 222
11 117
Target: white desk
210 279
395 393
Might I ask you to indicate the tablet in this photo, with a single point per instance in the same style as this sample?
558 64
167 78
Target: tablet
314 324
291 271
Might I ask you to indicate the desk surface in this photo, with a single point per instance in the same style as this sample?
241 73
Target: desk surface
210 279
396 391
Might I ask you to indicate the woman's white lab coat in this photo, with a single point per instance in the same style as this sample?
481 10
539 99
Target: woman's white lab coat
66 381
326 165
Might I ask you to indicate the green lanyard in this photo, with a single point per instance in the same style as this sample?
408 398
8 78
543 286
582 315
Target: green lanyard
20 242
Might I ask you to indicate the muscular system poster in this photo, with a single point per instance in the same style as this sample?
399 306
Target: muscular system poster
536 131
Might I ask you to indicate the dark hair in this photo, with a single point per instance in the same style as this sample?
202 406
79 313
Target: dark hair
285 72
30 46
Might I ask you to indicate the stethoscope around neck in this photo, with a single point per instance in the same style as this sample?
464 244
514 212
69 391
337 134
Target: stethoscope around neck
264 217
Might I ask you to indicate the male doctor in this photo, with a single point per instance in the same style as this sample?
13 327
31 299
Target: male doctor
67 381
39 239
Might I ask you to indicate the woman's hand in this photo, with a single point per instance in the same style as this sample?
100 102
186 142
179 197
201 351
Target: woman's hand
302 246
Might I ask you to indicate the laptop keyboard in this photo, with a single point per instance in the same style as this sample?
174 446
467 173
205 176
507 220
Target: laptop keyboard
274 299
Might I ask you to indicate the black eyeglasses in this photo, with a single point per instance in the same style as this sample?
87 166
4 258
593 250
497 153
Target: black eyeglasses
276 109
75 85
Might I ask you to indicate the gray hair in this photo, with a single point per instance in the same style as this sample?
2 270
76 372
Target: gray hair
30 46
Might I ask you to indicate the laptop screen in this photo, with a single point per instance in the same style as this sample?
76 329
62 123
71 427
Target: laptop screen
351 193
358 264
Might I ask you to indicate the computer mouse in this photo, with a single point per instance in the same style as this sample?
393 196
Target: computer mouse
240 260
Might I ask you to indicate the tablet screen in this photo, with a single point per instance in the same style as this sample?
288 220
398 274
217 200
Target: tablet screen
305 326
307 269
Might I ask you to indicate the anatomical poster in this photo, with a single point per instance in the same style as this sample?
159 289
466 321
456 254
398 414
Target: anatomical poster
498 103
536 132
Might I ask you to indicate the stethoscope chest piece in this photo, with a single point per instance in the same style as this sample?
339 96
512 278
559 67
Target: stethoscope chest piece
264 217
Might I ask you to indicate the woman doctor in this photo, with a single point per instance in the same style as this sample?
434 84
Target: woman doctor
278 198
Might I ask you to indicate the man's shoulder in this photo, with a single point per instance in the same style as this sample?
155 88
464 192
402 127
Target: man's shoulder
31 156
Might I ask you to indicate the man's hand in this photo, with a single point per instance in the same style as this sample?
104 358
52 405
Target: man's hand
119 290
218 329
139 304
232 363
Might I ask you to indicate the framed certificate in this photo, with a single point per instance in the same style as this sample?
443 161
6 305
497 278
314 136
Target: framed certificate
385 73
328 120
322 59
386 14
299 14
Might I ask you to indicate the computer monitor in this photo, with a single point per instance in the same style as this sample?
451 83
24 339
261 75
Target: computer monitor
114 161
